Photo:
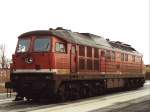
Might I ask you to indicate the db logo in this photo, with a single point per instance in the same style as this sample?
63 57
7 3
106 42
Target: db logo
29 60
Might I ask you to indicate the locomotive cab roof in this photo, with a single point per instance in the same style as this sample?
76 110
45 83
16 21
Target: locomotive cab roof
86 39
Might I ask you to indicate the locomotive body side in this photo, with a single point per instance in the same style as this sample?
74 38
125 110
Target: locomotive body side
72 65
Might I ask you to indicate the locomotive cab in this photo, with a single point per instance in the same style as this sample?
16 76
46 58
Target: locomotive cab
33 53
31 70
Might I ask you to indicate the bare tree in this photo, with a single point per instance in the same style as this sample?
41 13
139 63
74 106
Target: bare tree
3 59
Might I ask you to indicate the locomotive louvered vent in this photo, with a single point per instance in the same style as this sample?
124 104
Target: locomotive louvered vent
81 64
121 45
96 64
81 51
89 64
86 34
89 52
96 55
127 45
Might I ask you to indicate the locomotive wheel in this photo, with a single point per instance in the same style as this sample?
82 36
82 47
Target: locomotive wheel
68 91
136 83
82 91
132 83
100 88
74 94
61 94
87 90
95 88
139 83
92 89
127 84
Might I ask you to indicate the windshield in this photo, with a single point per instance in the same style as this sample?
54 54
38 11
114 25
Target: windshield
23 45
42 44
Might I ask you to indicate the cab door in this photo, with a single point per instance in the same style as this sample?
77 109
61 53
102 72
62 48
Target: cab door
73 60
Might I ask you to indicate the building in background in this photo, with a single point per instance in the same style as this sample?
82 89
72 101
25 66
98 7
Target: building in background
4 77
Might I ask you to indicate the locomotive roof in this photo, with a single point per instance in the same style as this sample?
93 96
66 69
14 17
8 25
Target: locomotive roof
73 37
86 39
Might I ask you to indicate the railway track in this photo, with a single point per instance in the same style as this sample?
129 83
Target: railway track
7 105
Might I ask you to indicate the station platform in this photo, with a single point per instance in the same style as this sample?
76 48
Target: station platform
138 105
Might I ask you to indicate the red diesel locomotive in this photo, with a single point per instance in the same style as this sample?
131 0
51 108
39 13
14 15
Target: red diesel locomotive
65 64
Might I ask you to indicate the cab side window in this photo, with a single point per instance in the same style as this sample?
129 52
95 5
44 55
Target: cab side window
60 47
81 50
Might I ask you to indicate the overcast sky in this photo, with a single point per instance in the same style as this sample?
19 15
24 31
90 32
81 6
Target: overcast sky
118 20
